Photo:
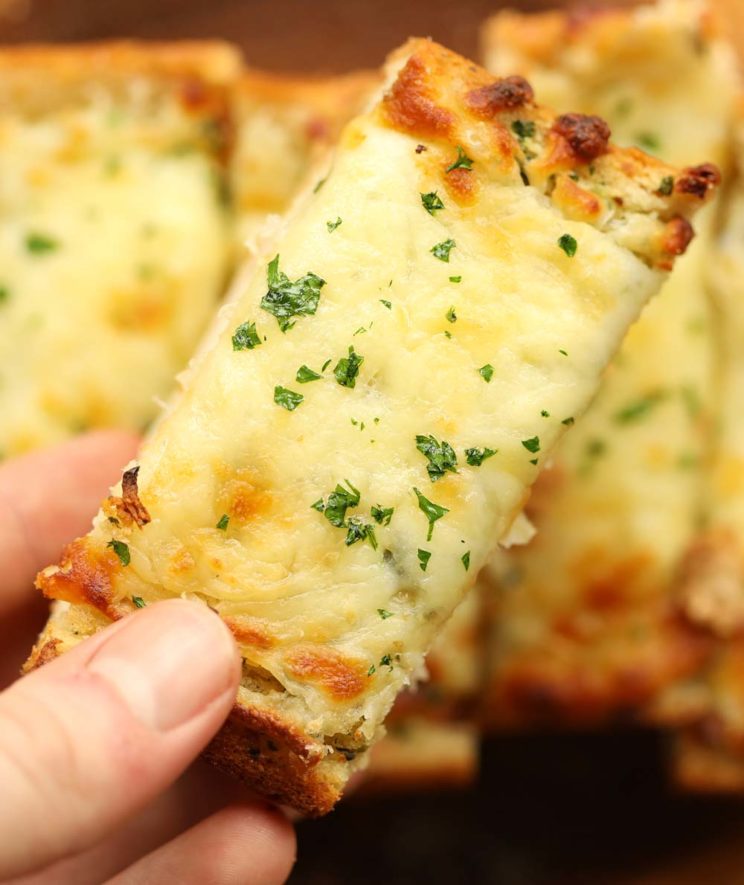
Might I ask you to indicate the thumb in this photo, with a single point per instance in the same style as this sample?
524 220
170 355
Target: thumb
93 736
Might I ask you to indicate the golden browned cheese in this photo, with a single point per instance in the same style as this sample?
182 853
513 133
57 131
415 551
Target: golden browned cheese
365 419
114 232
588 624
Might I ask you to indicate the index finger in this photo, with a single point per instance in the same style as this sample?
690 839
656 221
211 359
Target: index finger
48 498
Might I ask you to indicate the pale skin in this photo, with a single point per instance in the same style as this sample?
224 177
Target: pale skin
97 775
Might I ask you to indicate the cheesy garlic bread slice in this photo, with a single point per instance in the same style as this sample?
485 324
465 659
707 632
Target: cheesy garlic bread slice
587 621
368 413
114 231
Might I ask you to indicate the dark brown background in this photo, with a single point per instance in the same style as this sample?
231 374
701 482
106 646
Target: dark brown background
569 810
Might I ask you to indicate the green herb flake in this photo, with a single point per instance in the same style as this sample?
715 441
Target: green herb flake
440 455
431 511
357 530
332 225
384 614
4 294
568 421
339 501
638 409
523 129
387 304
320 184
648 140
431 202
447 333
386 661
475 457
371 670
451 315
245 337
486 372
347 368
457 279
287 399
287 299
423 557
121 550
463 161
568 244
223 523
563 352
325 365
40 244
442 250
465 560
667 185
532 444
382 515
305 375
139 602
545 413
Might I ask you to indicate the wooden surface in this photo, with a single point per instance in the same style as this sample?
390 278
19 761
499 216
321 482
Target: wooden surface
561 810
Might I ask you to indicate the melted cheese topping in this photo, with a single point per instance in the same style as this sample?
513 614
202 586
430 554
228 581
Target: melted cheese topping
113 249
305 604
586 622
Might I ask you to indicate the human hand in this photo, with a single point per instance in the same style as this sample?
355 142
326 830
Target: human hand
92 744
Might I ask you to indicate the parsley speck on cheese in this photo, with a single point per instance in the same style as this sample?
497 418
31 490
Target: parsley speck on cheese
440 455
4 294
432 202
337 503
523 129
223 522
568 421
568 244
638 409
431 511
386 303
347 368
325 365
486 372
384 614
332 225
545 413
121 550
386 661
245 337
139 602
287 299
423 557
457 279
667 186
648 140
357 530
382 515
40 244
463 161
563 352
451 315
465 560
532 444
305 374
371 670
287 399
442 250
475 457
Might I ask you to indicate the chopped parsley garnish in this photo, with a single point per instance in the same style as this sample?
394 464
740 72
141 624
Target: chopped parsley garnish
431 202
223 523
440 455
648 140
447 333
568 421
475 457
121 550
463 161
339 500
563 352
465 560
451 315
457 279
286 299
384 614
347 368
523 129
40 244
371 670
386 661
360 531
320 184
325 365
442 250
305 374
568 244
486 372
245 337
431 511
332 225
287 399
667 185
382 515
139 602
423 557
532 444
386 303
545 413
639 409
